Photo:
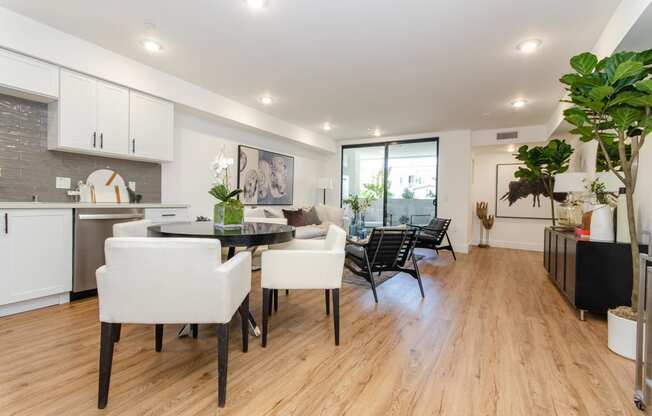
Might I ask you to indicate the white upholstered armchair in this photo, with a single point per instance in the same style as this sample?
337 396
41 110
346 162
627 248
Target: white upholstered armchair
305 264
137 228
170 281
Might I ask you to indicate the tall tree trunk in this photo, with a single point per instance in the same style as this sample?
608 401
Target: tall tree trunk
633 236
550 185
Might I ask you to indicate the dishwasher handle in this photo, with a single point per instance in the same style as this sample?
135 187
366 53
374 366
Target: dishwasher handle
111 216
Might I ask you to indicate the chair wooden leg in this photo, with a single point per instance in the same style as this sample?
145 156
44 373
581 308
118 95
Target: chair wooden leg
107 339
159 337
451 246
373 286
418 274
194 330
117 328
275 300
222 362
328 301
371 276
270 306
244 317
266 313
336 315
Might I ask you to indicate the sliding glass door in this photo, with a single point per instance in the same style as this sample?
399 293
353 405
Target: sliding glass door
401 178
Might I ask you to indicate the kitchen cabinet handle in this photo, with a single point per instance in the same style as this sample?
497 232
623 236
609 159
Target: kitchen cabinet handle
168 215
111 216
133 145
94 139
101 140
6 223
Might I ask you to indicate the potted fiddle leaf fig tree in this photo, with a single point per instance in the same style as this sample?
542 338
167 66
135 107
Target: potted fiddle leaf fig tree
611 104
229 212
542 163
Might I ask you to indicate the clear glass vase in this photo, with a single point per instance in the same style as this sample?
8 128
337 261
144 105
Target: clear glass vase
228 214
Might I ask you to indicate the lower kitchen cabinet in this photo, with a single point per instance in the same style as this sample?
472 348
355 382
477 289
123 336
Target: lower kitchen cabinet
35 256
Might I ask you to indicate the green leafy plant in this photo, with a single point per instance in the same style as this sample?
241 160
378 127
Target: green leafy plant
542 163
376 189
233 209
222 193
611 101
407 194
599 189
358 204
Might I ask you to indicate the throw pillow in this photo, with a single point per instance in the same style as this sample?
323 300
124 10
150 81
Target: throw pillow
310 216
295 218
271 214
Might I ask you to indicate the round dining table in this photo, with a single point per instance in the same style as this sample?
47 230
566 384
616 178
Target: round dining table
250 234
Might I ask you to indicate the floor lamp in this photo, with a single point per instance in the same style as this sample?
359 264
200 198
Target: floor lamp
324 184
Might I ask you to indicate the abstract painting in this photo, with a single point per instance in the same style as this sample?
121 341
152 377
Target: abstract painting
266 178
519 198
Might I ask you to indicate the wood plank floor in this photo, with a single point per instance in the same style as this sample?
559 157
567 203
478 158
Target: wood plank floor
492 337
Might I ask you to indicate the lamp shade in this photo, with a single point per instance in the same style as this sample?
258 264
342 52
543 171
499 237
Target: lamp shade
325 183
570 182
610 181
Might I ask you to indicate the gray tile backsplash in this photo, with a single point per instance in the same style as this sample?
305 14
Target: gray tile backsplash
27 167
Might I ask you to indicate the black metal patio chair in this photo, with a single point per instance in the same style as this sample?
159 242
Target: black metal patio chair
388 249
432 235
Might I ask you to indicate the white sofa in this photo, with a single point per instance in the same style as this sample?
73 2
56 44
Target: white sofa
327 215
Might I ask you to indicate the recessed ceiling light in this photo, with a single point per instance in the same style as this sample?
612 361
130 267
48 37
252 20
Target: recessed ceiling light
266 100
511 148
529 46
376 132
327 126
520 103
152 46
256 4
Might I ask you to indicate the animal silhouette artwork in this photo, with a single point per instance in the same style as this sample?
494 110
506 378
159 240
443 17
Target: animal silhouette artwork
524 188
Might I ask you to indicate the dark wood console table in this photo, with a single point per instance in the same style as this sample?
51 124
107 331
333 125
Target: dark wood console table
594 276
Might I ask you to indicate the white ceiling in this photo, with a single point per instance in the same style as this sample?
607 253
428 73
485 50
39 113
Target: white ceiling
404 66
639 38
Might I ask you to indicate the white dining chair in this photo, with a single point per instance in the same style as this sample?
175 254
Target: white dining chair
170 281
137 228
305 264
256 250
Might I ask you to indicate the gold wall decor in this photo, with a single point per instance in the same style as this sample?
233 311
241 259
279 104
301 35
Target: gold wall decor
487 222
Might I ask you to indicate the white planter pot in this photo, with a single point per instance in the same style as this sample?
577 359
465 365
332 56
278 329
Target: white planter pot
621 335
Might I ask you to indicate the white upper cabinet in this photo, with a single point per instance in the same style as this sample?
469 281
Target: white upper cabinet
151 127
98 117
93 116
78 112
31 76
112 118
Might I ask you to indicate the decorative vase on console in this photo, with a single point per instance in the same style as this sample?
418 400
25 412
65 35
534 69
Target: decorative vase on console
229 212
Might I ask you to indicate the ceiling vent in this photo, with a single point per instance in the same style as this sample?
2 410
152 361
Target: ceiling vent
507 135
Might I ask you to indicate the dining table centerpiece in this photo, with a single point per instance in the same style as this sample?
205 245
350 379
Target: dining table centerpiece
229 212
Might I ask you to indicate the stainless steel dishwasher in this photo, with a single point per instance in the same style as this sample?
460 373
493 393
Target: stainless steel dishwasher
92 227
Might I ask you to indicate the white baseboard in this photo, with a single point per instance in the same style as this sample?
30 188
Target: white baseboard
28 305
516 245
461 248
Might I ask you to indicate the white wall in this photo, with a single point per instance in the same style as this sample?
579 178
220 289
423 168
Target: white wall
524 234
621 22
27 36
526 134
197 139
454 182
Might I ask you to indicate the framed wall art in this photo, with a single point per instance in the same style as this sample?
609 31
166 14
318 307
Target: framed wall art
266 178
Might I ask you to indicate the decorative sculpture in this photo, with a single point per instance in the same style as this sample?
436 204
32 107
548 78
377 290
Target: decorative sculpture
487 222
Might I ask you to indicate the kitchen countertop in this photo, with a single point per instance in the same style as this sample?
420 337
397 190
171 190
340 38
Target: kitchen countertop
79 205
